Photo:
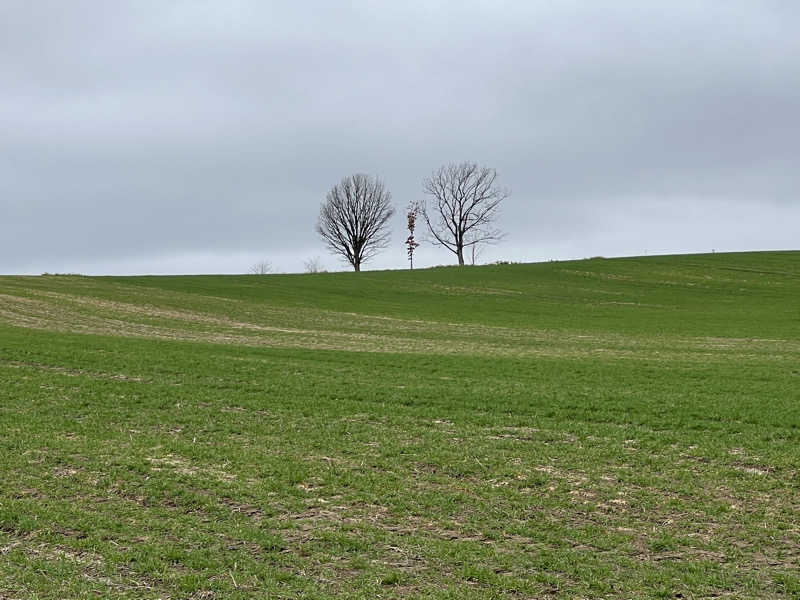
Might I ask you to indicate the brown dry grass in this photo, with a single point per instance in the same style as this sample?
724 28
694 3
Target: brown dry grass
54 311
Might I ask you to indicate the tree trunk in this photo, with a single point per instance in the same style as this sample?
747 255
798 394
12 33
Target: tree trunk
357 267
460 254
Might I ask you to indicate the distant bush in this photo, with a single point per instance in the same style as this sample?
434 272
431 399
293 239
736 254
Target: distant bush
46 274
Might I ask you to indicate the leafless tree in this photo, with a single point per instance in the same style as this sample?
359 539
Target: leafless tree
353 219
464 203
262 267
313 265
475 251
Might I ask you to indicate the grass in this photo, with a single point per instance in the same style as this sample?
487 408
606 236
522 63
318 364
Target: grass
622 428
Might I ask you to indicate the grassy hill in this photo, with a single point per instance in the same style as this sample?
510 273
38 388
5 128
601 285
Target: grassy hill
597 428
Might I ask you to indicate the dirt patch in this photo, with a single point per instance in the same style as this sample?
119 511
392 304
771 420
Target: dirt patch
248 510
180 465
64 472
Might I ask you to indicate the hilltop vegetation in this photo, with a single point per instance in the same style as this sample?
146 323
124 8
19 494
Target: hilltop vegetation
598 428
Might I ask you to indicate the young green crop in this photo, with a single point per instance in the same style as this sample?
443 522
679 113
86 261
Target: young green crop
620 428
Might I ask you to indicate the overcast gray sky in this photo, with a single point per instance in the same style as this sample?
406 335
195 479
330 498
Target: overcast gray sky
200 137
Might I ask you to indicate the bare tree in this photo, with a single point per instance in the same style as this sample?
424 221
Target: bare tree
262 267
313 265
475 251
353 219
464 203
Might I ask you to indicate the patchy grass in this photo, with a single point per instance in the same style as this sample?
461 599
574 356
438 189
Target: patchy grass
619 428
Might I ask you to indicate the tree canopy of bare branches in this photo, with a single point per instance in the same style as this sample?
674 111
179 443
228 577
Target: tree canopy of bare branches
353 220
262 267
313 265
463 205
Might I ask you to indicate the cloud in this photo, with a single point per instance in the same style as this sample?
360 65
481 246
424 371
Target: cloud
166 135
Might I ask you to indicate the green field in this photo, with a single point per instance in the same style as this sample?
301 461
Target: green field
622 428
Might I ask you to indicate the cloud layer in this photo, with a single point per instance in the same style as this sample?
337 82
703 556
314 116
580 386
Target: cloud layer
201 136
